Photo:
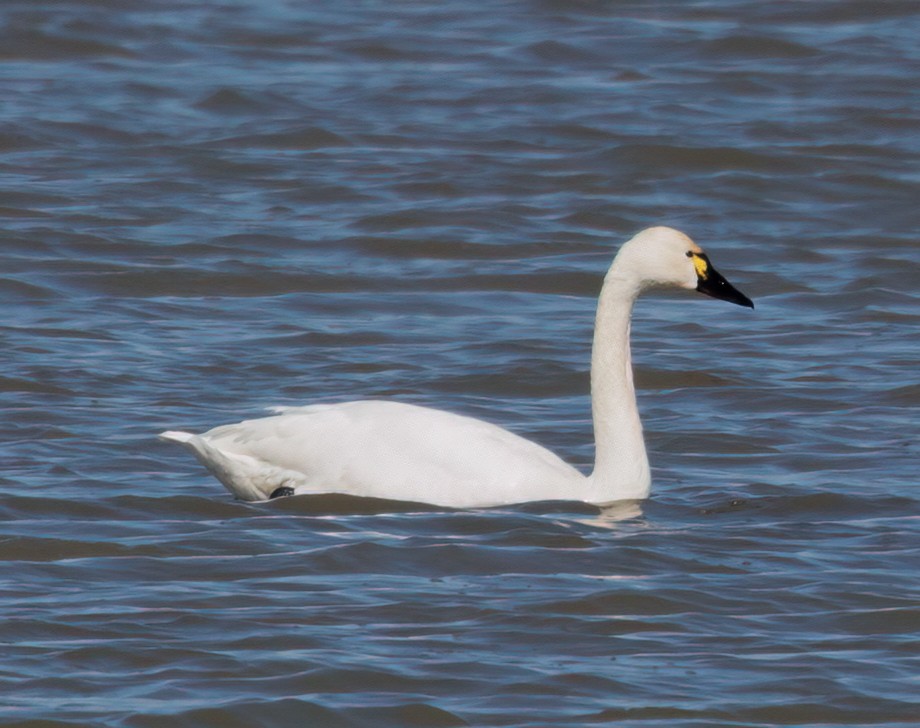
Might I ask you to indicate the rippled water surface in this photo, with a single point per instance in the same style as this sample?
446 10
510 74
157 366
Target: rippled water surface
214 207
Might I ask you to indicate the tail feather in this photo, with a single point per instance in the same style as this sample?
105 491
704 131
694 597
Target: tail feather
175 436
247 477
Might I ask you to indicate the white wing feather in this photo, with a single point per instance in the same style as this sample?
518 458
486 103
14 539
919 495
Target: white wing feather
384 450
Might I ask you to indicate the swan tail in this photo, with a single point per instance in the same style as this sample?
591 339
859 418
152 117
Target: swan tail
246 477
175 436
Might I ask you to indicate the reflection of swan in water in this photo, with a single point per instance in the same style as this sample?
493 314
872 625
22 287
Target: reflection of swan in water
404 452
612 513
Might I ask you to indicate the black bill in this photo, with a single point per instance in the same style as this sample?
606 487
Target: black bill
713 283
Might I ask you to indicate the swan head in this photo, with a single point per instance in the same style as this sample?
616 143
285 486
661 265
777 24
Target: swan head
663 256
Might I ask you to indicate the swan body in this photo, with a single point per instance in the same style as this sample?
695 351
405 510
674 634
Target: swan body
404 452
382 449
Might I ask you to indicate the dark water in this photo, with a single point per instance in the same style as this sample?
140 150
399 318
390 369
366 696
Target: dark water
213 207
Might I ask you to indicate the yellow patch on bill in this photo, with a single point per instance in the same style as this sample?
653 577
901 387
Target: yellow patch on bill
701 265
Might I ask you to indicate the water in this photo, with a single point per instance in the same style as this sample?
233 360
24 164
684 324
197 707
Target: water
211 208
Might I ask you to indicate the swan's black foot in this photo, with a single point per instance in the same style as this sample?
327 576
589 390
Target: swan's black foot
281 492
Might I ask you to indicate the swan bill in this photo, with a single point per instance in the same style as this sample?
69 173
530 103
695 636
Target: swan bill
713 283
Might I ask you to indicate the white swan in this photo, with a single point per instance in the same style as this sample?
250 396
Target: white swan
408 453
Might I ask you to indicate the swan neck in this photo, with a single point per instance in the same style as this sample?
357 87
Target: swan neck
621 467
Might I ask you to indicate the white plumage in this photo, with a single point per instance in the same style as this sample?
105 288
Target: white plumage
404 452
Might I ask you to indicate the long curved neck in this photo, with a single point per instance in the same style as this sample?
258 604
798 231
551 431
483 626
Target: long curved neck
621 468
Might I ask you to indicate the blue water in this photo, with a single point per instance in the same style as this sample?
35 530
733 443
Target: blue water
212 208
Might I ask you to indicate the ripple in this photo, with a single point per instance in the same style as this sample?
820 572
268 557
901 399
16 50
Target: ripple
224 207
306 138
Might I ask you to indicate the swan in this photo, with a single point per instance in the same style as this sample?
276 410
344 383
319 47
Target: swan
404 452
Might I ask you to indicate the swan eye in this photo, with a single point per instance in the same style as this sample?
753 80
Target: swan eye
689 253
